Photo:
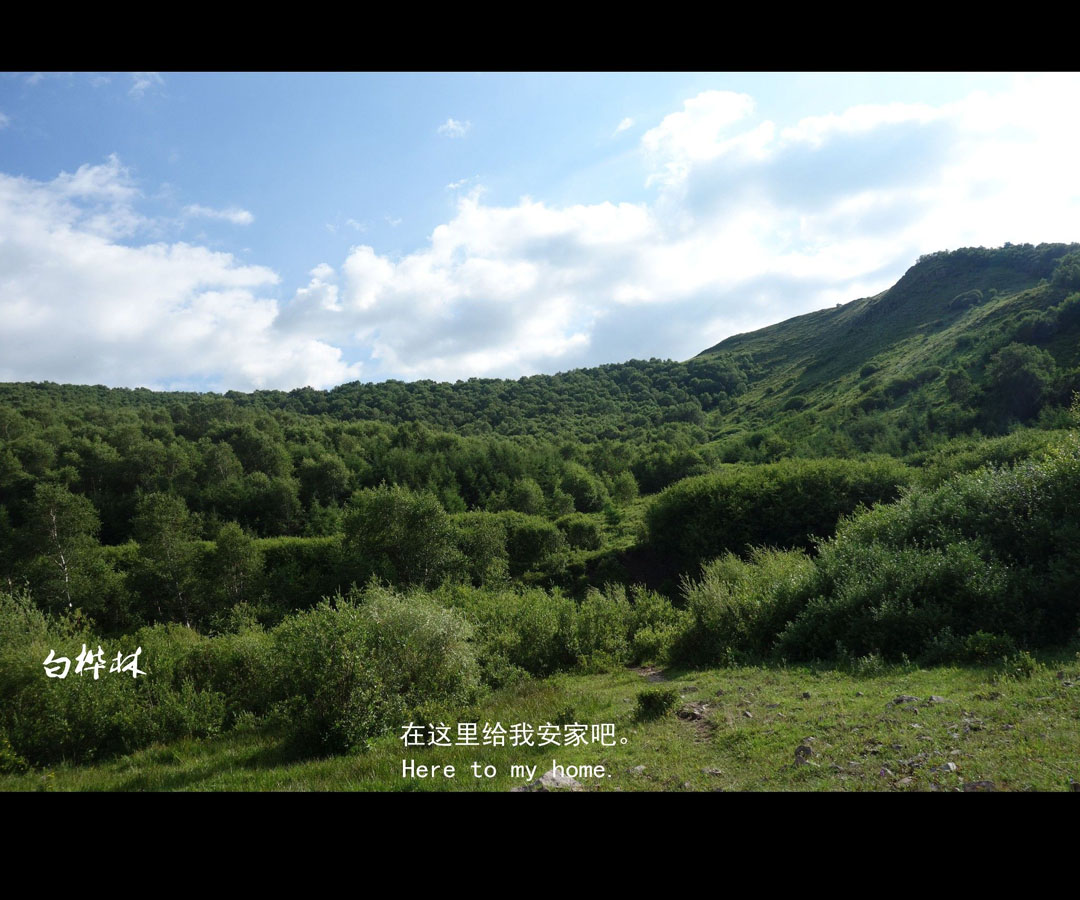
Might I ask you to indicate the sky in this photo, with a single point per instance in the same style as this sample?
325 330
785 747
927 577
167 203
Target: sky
240 231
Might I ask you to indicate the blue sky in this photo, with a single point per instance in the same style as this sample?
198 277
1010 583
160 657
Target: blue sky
237 231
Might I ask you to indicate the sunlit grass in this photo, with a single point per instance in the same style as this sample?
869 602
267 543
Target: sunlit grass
1017 734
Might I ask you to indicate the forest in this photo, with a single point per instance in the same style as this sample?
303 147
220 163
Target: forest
896 478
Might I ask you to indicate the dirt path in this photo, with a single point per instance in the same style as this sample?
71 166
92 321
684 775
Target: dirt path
651 673
694 714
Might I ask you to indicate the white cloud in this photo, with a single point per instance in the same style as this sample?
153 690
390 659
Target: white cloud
623 125
453 128
78 306
750 221
696 132
753 221
232 214
4 120
141 82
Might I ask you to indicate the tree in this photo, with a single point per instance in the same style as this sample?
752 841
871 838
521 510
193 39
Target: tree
587 492
234 566
166 533
404 537
1018 378
63 529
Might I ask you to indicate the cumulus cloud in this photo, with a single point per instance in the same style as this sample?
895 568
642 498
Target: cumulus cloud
232 214
623 125
141 82
752 221
749 221
79 306
454 129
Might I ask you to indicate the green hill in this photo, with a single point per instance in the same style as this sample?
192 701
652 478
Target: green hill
969 339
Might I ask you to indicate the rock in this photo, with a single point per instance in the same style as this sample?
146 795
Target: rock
637 770
747 714
713 772
686 785
978 787
905 698
905 781
859 694
945 767
772 705
549 781
806 695
693 712
934 698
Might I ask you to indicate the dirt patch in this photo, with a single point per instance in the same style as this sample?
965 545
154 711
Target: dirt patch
696 715
651 673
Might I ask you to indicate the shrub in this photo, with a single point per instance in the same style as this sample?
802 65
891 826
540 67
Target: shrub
78 718
403 537
356 666
738 607
654 703
982 647
581 531
603 628
894 601
782 504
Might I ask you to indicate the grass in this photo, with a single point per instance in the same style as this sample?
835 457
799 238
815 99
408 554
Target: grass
1021 735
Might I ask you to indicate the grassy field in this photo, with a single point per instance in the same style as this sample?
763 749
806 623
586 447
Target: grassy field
739 730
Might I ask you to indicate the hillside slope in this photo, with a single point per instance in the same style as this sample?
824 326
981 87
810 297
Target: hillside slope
927 354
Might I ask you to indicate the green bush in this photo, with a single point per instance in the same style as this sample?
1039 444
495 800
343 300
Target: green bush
782 505
510 542
603 628
78 718
654 703
402 537
737 607
354 667
239 666
581 532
